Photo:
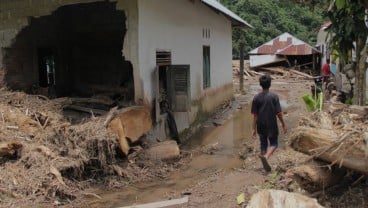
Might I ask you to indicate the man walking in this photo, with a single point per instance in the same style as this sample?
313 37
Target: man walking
265 108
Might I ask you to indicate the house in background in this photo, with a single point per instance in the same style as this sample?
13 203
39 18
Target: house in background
322 43
285 49
143 51
343 75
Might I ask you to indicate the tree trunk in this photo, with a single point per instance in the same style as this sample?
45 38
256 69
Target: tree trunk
359 86
347 151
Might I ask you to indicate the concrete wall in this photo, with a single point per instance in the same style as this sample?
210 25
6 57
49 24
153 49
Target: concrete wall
177 26
321 41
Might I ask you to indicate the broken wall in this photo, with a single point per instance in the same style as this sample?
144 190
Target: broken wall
87 41
15 15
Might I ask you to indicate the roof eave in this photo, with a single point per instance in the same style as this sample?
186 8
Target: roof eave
241 24
236 21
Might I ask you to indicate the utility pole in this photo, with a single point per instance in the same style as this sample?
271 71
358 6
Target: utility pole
241 81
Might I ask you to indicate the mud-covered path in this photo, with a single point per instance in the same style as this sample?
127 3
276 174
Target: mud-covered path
220 161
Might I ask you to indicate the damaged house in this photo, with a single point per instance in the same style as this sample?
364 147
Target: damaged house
169 55
285 50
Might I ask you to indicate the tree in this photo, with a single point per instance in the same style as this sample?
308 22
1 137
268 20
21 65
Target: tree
272 18
348 27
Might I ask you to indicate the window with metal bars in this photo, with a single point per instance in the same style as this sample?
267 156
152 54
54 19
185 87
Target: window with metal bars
206 67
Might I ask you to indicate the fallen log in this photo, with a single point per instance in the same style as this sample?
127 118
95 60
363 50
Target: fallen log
117 127
130 124
348 150
10 149
314 177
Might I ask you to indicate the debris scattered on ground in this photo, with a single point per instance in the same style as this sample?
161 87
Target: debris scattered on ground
45 156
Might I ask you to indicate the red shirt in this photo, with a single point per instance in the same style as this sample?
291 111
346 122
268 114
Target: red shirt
326 70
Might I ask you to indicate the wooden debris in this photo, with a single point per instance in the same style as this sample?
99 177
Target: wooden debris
111 115
10 149
85 109
313 177
117 127
92 194
326 145
301 74
163 151
46 151
57 174
130 124
92 101
276 70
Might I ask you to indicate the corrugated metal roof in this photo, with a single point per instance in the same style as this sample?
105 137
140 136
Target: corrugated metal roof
285 44
303 49
235 19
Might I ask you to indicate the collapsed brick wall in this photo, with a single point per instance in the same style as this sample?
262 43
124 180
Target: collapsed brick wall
87 51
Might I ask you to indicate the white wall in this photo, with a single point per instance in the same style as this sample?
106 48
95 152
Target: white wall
130 47
321 41
176 25
259 60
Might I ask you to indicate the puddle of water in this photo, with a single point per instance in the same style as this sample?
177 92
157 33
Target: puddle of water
229 137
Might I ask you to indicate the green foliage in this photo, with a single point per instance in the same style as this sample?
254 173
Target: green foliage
272 18
313 103
347 17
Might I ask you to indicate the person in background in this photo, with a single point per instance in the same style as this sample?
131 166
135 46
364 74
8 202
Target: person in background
333 68
265 108
326 72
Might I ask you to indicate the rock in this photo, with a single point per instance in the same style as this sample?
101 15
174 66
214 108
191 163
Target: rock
281 199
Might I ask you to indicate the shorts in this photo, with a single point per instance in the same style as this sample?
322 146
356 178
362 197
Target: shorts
264 142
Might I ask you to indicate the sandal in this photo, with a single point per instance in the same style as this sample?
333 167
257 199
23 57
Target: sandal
265 164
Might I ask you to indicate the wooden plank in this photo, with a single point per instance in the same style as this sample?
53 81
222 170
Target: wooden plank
301 73
84 109
161 203
103 101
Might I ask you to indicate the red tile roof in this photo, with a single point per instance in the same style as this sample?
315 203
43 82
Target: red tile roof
285 44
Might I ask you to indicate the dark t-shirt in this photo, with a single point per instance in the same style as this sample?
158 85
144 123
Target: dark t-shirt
266 105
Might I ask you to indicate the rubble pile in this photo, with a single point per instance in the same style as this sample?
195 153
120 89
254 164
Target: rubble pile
45 158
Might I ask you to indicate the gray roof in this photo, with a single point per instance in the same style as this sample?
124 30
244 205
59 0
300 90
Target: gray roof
235 19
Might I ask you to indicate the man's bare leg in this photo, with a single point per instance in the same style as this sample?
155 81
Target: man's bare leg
269 152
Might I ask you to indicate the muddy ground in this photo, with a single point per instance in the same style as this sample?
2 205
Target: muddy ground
218 160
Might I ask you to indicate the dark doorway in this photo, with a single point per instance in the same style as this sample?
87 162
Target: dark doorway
46 67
